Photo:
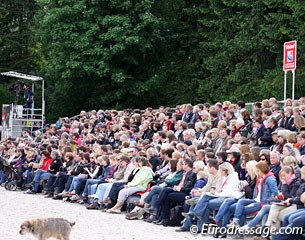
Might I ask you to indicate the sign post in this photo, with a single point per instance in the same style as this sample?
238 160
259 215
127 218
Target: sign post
285 85
293 84
290 64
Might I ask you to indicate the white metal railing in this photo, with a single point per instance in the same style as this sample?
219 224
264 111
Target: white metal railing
21 119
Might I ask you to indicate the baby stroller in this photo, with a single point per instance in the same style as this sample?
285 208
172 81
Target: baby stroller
11 183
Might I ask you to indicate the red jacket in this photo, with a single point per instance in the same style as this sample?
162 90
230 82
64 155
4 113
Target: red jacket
46 164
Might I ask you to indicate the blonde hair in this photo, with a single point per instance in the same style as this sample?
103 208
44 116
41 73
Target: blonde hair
232 107
288 100
226 103
213 130
294 152
112 158
103 158
289 160
265 103
299 121
222 124
291 137
289 109
227 167
180 147
199 165
287 169
176 155
232 123
251 168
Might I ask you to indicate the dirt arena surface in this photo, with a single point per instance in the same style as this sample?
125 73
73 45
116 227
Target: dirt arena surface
16 207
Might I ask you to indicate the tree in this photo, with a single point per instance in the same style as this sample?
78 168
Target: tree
16 42
100 53
16 21
246 47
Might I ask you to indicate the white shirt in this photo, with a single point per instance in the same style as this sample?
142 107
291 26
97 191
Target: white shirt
258 198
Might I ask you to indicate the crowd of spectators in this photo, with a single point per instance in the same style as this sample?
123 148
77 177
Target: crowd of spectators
212 164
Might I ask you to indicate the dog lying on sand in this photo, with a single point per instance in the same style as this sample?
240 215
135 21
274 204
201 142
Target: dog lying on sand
45 228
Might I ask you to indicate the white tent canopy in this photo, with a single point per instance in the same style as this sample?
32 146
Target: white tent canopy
21 75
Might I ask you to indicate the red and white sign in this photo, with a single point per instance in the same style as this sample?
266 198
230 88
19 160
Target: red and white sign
290 56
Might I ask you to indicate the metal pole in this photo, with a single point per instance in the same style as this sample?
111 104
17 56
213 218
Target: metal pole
43 104
293 83
285 82
33 104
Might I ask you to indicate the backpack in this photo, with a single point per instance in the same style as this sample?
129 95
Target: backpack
175 217
131 200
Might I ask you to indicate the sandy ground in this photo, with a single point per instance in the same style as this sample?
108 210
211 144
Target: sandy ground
16 207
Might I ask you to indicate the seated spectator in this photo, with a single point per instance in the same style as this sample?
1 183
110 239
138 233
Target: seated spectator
275 164
139 183
53 188
290 184
93 171
103 189
176 194
176 168
247 186
272 213
45 174
165 138
148 200
162 170
64 181
154 160
292 162
288 122
107 165
296 220
209 202
259 132
264 190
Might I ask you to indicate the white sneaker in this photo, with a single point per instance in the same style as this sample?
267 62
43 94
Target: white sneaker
92 196
233 224
62 193
75 197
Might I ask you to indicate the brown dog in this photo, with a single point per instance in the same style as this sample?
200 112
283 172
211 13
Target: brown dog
43 229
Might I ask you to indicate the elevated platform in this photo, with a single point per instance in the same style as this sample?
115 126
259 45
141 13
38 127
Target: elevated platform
16 119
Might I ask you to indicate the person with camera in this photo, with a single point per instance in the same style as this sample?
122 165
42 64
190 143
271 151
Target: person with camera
28 96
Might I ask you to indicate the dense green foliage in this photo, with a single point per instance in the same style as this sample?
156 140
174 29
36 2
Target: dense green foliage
127 53
16 41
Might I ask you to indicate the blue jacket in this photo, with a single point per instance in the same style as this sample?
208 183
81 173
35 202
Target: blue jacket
269 188
104 173
200 183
